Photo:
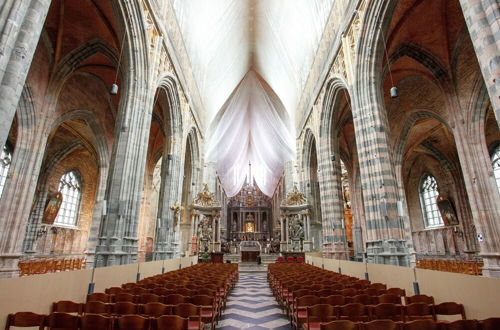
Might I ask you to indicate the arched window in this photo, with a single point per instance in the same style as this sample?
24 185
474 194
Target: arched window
5 160
428 194
70 188
495 161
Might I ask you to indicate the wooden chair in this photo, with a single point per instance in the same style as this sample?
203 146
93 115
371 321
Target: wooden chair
62 321
174 299
24 320
132 322
99 296
362 299
492 323
124 308
461 325
420 325
389 299
96 322
450 308
190 312
66 306
96 307
320 313
419 298
114 290
156 309
299 314
335 300
171 322
123 296
147 298
354 312
339 325
387 311
209 309
380 325
396 291
416 311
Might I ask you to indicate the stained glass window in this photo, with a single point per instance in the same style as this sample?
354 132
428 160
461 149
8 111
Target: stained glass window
70 188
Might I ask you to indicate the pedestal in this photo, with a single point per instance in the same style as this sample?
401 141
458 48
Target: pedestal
308 246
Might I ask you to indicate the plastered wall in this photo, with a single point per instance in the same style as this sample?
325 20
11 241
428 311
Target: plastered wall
479 295
37 293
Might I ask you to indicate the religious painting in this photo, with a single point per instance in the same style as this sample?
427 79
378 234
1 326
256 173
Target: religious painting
447 211
52 208
249 227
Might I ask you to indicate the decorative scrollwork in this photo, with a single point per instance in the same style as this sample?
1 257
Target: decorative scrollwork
295 197
206 198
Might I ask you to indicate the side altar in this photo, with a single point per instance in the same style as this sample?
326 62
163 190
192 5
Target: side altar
205 223
295 223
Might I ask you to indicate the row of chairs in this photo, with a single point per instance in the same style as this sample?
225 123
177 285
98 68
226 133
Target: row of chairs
306 312
292 290
473 267
43 266
290 259
488 324
101 322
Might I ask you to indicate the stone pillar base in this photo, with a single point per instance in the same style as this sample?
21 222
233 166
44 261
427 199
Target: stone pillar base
283 246
491 266
308 247
8 265
389 251
339 250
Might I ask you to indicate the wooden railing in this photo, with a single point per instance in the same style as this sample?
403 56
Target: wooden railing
43 266
455 266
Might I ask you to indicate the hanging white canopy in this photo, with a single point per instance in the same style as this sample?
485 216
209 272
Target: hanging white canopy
252 127
225 39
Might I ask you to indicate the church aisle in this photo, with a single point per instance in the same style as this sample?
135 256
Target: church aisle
251 305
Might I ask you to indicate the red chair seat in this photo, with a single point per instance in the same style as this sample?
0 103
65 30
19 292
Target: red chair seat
195 325
312 326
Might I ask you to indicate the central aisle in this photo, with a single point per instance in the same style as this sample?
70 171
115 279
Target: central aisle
251 305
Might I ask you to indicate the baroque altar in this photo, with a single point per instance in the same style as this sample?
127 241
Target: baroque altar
295 223
205 223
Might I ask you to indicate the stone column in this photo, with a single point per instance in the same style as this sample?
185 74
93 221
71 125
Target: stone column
483 21
21 23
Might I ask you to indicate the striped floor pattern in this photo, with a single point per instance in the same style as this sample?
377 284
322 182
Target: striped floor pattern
251 305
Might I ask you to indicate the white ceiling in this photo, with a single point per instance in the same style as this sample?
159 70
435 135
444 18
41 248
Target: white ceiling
226 38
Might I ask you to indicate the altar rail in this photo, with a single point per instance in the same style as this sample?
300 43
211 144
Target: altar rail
453 266
43 266
478 294
37 293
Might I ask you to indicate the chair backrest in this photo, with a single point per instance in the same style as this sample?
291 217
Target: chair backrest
420 325
339 325
171 322
95 322
113 290
397 291
96 307
25 319
450 308
309 300
124 308
174 299
186 310
353 311
378 286
362 299
380 325
389 298
132 322
148 297
349 292
66 306
491 323
61 321
419 298
335 300
418 311
462 325
156 309
202 300
99 296
388 311
321 313
123 296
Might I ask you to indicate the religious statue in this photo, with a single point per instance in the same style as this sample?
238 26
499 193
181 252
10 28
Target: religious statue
447 210
206 228
177 208
296 227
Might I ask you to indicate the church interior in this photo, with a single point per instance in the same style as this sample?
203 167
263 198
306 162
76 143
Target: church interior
262 147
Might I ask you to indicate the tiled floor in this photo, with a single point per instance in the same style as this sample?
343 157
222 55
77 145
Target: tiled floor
251 305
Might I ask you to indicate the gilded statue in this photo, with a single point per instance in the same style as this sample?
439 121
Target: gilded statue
177 208
295 197
206 198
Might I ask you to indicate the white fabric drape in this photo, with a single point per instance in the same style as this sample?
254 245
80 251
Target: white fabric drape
252 126
224 40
